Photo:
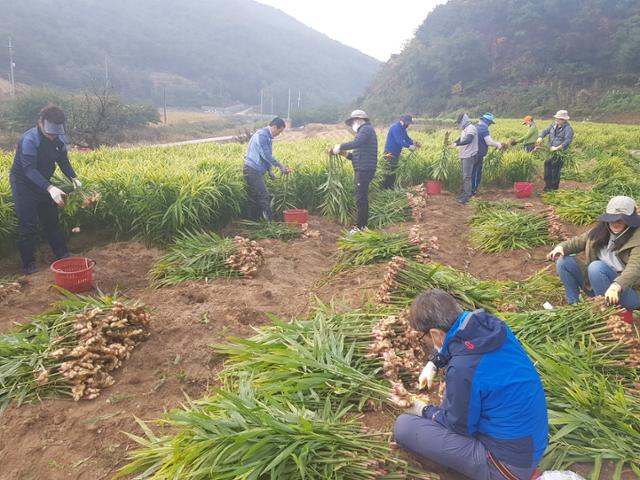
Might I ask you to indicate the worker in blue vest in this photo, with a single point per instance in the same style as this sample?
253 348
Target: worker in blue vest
397 139
36 200
484 142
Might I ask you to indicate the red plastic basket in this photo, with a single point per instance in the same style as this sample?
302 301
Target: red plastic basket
523 189
297 216
74 273
433 187
627 316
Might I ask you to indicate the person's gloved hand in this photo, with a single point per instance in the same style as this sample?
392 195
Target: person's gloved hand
336 149
56 195
427 375
612 295
416 409
501 145
413 148
76 182
553 255
417 144
554 149
539 140
285 170
452 145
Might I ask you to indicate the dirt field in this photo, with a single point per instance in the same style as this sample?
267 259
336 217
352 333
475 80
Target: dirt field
61 439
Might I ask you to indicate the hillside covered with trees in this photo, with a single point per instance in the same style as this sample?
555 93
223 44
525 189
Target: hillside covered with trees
517 56
204 52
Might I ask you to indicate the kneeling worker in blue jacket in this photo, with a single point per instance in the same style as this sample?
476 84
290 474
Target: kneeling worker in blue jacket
492 423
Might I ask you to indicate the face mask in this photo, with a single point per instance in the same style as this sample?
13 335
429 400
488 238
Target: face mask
355 126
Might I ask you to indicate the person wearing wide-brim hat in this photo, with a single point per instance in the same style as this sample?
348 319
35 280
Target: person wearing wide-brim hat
560 135
612 250
528 140
364 159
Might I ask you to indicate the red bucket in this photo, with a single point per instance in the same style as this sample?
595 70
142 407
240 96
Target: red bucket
297 216
74 273
434 187
627 316
523 189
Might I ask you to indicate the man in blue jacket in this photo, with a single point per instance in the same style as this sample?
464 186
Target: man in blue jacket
397 139
492 423
484 142
364 159
257 161
36 200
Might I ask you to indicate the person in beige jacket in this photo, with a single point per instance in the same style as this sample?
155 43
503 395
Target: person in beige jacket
612 250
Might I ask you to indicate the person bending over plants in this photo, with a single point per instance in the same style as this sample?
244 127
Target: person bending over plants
612 250
492 423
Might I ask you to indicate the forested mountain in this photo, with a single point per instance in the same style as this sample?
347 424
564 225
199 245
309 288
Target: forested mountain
517 56
202 51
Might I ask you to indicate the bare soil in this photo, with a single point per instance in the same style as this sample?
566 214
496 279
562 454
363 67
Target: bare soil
62 439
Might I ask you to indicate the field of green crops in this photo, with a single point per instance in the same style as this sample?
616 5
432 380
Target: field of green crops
290 399
156 193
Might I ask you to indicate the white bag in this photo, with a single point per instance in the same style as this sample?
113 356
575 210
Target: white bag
558 475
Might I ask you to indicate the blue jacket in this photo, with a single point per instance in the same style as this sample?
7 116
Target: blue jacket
559 136
365 149
36 158
494 392
259 154
397 139
483 131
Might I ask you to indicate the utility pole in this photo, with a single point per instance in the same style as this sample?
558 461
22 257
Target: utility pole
106 71
12 65
299 98
272 104
261 100
164 102
289 106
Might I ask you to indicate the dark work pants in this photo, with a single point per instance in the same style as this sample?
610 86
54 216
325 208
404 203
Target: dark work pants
33 208
552 170
390 172
476 175
259 207
363 179
428 439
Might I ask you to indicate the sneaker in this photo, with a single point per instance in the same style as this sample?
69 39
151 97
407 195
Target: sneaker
355 230
462 201
30 268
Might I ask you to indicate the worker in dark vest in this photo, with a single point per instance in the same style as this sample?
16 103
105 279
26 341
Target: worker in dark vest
36 199
364 158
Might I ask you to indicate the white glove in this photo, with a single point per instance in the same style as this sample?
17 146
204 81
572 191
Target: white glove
553 255
427 375
416 409
499 146
554 149
539 140
76 183
336 149
413 148
56 195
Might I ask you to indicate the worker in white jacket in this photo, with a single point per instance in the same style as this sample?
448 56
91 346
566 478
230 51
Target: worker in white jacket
467 143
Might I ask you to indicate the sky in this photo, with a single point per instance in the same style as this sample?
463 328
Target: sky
378 29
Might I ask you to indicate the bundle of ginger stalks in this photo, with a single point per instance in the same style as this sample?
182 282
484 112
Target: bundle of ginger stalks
69 350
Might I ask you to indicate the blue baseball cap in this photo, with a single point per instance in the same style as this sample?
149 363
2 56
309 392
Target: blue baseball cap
487 117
